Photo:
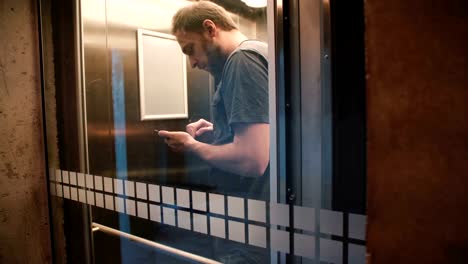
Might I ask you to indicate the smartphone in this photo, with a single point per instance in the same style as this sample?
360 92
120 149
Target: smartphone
156 131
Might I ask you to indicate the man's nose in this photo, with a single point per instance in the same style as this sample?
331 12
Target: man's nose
193 62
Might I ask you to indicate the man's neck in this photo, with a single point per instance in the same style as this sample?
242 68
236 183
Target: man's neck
231 40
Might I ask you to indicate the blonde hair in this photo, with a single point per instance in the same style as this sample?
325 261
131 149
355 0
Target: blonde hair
190 18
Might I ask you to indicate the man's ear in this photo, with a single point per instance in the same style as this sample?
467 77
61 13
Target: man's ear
209 27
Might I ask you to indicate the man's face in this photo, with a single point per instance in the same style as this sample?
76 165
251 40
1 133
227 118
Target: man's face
202 51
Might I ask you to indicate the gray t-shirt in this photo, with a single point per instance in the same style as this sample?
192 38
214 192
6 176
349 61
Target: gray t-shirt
241 96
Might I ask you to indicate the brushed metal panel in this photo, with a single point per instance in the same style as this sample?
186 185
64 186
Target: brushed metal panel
147 156
97 88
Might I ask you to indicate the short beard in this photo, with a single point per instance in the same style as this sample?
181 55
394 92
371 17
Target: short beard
216 61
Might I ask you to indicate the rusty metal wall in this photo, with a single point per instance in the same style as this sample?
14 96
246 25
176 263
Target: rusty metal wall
417 131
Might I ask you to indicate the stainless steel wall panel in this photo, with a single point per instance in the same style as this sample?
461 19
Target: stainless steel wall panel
97 88
147 156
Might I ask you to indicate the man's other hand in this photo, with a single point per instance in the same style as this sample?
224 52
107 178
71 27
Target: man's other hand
198 128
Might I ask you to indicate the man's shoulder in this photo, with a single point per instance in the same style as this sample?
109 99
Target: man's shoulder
254 46
250 43
249 57
249 50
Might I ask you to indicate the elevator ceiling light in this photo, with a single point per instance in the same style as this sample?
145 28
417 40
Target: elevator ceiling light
255 3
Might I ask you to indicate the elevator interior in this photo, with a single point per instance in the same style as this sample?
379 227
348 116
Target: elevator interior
108 169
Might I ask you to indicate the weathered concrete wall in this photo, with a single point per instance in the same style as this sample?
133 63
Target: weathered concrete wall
417 99
24 225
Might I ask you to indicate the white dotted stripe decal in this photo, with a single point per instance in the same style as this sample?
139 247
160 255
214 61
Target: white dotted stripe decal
187 209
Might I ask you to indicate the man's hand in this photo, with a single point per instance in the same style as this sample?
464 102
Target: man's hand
247 155
178 141
198 128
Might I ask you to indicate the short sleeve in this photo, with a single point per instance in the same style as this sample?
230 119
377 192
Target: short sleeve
245 92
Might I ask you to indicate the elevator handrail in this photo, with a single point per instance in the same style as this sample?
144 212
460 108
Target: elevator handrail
174 251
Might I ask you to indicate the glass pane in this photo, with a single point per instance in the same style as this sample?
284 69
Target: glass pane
177 199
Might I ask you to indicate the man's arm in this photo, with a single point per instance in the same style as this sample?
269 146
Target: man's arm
247 155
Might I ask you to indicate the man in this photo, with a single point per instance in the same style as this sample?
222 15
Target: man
240 150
